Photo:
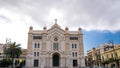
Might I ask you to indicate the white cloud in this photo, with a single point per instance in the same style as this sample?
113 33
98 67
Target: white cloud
16 28
17 15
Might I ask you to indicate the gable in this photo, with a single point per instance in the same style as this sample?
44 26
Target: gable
55 32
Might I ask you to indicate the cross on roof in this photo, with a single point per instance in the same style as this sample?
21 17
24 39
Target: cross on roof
55 20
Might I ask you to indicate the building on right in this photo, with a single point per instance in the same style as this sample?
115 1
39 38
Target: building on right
93 57
111 57
107 55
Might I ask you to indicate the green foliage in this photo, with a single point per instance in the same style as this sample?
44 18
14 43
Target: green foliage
105 62
5 62
13 51
110 60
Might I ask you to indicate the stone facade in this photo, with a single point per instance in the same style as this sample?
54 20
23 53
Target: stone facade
55 47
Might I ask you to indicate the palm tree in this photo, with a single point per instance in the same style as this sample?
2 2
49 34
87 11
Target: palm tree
13 50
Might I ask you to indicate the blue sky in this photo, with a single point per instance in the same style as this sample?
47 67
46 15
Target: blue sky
96 38
99 19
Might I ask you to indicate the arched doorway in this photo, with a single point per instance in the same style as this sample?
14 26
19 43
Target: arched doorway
56 59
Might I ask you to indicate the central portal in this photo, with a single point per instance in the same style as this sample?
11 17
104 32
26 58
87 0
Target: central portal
56 58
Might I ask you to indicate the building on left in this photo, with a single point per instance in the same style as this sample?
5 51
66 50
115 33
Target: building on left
22 57
2 46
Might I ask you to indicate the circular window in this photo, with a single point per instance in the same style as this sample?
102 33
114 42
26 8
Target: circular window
55 39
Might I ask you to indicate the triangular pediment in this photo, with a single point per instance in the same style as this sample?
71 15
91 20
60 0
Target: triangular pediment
55 29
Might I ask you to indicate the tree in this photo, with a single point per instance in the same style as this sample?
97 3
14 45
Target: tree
13 50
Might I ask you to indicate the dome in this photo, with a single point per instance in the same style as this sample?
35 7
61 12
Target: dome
44 28
66 28
79 29
31 28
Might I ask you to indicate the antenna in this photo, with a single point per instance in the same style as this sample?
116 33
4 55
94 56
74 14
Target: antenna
8 40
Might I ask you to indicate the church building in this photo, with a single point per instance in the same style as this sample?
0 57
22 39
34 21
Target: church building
55 47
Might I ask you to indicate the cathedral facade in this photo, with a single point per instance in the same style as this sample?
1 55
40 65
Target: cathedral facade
55 47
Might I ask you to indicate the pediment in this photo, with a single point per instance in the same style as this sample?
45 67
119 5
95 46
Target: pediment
55 30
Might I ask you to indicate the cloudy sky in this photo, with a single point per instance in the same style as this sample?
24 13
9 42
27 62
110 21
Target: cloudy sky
97 18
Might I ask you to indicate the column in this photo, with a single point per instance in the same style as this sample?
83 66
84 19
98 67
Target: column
79 63
82 62
71 63
51 62
61 62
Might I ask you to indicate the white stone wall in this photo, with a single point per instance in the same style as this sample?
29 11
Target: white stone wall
45 58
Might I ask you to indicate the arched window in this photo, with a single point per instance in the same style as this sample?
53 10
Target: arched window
75 45
73 54
35 45
38 45
55 46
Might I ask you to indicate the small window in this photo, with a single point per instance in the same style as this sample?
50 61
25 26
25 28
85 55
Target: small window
34 53
55 46
37 37
73 54
76 54
37 53
35 45
38 45
72 45
73 38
